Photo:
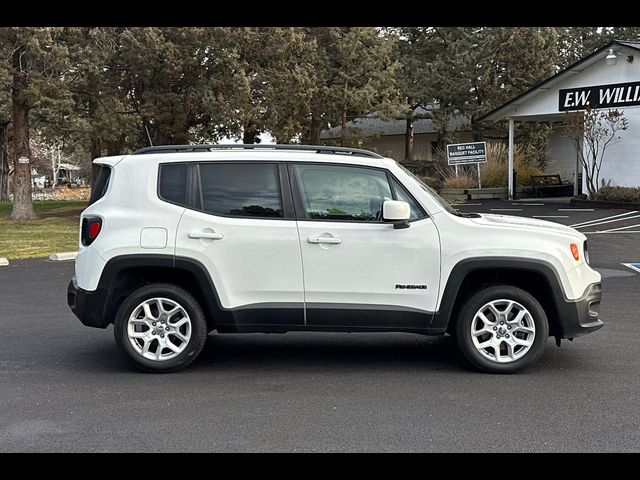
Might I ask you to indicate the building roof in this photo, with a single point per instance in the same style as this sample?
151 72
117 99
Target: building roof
68 166
503 111
372 124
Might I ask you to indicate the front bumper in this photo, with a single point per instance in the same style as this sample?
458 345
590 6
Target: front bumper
87 306
579 317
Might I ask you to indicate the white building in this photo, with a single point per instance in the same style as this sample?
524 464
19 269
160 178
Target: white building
608 78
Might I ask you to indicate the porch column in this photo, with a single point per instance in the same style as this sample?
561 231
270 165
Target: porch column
575 175
510 173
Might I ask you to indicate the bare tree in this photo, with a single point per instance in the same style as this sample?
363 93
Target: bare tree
592 133
4 163
56 160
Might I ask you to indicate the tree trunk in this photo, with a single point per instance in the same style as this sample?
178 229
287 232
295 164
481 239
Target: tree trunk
181 138
116 147
475 128
95 149
22 201
95 152
4 164
408 138
314 131
250 134
343 123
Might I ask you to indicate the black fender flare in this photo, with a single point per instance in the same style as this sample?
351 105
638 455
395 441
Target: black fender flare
467 266
118 264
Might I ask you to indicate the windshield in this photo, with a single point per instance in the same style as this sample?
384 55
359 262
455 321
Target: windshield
431 192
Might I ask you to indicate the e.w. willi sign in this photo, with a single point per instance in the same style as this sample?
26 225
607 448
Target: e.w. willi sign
600 96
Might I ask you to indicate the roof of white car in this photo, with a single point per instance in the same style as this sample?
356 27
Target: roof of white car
259 152
257 147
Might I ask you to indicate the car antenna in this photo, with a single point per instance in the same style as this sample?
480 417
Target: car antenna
148 136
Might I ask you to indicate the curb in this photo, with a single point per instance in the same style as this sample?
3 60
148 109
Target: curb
59 257
4 262
576 202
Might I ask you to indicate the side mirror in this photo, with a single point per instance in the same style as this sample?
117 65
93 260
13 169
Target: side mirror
396 212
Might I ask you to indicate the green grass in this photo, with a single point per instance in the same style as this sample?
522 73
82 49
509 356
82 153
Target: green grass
56 229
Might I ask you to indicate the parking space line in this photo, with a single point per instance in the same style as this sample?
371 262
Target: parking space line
593 224
468 205
622 228
610 232
575 209
506 209
633 266
529 204
604 218
550 216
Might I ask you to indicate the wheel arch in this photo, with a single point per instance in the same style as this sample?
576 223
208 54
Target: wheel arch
537 277
123 274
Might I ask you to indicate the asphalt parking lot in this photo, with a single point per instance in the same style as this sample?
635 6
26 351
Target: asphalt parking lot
64 387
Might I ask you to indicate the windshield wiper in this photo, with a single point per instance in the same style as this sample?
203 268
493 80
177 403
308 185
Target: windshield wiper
468 215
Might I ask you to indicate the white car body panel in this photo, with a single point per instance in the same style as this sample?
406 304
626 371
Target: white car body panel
370 261
263 260
257 260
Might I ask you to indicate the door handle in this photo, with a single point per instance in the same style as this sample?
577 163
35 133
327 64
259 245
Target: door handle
207 235
317 239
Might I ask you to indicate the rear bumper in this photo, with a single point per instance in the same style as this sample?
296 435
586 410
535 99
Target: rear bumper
87 306
580 317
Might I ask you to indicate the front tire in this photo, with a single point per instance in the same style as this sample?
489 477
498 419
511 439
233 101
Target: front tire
502 329
160 328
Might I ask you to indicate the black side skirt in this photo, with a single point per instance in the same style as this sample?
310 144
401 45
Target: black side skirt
327 317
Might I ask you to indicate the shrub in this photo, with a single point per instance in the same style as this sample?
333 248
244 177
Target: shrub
495 171
462 181
611 193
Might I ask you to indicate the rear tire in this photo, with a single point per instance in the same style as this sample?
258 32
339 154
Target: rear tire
160 328
502 329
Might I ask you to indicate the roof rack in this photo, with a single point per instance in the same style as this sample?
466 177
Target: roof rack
260 146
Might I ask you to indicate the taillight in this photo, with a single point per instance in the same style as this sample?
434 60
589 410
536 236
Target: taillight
91 227
575 252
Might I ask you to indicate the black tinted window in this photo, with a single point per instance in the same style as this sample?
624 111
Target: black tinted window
241 189
100 185
173 183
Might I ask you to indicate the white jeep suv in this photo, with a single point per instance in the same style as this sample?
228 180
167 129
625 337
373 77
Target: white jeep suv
179 241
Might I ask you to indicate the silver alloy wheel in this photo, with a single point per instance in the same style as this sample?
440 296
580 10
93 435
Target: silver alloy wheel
159 329
503 331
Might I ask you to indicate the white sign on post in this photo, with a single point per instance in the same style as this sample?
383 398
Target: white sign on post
23 160
466 154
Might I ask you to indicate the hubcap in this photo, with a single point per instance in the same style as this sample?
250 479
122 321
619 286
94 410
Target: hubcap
159 329
503 331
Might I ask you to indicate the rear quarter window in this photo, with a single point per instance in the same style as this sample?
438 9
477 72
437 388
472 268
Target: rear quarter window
101 184
173 183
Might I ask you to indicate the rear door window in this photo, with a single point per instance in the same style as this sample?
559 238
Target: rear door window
241 189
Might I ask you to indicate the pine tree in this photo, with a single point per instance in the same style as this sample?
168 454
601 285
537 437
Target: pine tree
273 69
356 75
35 61
415 49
